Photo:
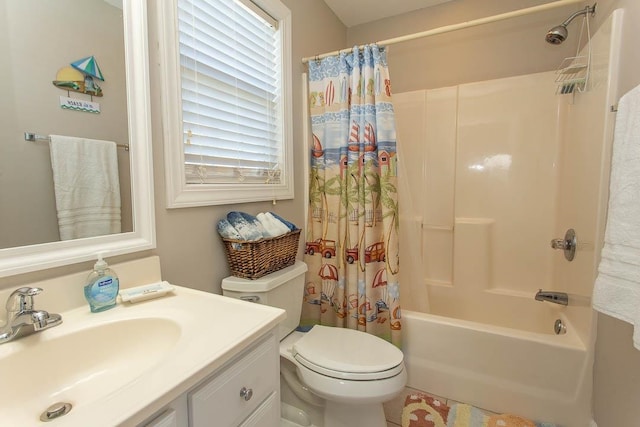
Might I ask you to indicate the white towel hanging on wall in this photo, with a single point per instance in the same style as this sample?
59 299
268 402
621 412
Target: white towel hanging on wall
617 287
87 187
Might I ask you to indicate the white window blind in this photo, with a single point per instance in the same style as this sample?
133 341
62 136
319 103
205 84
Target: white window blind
230 63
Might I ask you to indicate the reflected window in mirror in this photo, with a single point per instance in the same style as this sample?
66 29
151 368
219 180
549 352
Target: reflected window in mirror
228 87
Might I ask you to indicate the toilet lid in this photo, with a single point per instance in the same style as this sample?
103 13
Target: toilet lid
348 354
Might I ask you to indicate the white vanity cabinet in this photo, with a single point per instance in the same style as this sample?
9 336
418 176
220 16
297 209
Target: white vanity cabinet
244 392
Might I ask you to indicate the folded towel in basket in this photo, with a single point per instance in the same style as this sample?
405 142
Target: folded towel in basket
226 230
272 227
247 229
291 226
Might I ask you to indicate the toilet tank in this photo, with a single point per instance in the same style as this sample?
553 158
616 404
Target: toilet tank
283 289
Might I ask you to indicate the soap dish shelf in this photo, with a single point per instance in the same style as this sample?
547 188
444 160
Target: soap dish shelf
572 75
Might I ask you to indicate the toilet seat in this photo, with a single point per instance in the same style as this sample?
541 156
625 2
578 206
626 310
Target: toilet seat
348 354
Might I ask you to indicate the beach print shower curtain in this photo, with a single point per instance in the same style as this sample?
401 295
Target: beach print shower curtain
352 231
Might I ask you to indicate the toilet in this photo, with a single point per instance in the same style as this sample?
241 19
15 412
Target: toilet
344 374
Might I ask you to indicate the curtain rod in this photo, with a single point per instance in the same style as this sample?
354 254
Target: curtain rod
454 27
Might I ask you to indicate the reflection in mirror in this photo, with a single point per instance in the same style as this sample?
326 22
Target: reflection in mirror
38 38
41 40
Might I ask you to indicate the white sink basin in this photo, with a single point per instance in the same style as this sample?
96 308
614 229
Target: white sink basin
68 364
123 364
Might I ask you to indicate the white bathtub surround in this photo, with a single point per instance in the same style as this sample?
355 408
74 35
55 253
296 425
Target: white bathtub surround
617 288
487 205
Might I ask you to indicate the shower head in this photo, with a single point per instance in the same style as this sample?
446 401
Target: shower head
559 33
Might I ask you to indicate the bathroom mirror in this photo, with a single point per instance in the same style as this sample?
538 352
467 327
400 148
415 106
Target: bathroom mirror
30 257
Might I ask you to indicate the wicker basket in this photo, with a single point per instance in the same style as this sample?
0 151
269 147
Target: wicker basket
252 260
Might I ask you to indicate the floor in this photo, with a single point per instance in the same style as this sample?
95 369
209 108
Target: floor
393 408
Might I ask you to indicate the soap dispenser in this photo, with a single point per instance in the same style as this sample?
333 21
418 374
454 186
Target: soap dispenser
102 287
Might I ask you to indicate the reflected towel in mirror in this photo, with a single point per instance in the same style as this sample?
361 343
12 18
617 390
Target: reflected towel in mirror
87 187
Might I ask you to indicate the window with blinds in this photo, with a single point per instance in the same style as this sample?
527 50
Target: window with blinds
230 73
226 101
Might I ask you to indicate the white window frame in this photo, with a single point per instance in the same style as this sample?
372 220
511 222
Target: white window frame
180 194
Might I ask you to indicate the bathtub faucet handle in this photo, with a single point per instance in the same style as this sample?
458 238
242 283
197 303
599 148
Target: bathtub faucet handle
559 244
568 244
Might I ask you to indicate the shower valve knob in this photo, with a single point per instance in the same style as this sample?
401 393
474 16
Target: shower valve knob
568 244
560 244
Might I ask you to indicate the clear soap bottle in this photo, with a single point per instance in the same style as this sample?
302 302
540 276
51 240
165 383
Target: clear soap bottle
102 287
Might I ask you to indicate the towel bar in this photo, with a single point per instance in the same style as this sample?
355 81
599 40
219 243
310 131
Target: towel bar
32 137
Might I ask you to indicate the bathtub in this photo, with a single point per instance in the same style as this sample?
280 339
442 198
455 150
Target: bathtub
528 370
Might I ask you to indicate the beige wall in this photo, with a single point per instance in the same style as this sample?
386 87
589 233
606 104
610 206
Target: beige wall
42 37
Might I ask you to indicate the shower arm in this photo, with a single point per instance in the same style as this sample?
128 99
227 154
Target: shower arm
587 10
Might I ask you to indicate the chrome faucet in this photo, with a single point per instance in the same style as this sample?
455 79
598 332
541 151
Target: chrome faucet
552 296
22 318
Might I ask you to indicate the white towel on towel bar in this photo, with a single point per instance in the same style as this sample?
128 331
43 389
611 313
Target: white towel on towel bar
617 287
87 187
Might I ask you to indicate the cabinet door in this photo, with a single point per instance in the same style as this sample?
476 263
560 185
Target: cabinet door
167 419
267 414
175 414
234 393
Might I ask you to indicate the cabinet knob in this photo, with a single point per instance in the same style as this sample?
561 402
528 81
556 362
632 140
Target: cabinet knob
246 393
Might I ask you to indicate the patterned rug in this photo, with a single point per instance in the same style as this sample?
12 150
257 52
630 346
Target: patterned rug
425 411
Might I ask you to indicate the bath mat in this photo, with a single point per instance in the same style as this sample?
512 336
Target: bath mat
421 410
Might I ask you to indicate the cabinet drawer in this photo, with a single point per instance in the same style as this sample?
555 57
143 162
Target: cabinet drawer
236 391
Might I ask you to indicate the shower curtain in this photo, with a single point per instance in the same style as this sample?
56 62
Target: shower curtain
352 231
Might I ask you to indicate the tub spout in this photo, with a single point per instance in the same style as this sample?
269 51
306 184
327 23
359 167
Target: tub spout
552 296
